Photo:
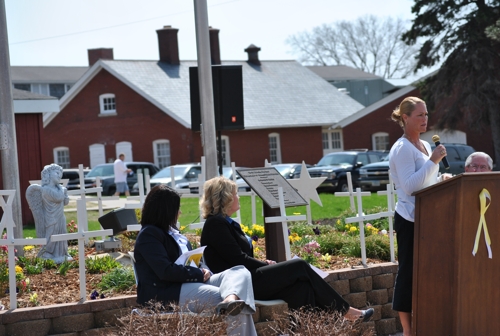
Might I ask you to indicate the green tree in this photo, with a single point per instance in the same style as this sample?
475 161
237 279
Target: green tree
466 89
370 44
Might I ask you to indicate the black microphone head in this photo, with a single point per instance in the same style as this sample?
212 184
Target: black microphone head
435 138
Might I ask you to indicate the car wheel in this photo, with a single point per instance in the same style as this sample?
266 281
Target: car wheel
343 187
111 191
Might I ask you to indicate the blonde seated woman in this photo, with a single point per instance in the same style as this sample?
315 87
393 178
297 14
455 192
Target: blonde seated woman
227 246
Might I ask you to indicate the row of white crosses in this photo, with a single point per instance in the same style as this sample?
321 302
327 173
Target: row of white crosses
7 223
361 217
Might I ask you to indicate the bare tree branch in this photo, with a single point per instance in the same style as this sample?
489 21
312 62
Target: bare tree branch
370 44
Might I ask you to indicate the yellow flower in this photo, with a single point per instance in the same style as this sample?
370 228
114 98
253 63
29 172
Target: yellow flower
28 247
296 213
353 229
256 249
182 228
326 257
338 221
294 237
19 269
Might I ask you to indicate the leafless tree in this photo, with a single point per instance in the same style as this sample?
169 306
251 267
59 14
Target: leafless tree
370 44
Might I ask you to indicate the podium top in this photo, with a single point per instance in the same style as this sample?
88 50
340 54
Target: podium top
266 181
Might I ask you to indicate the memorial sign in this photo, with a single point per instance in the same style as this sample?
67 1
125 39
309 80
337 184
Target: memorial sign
266 181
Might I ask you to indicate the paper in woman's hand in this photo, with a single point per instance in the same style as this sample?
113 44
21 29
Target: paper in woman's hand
190 257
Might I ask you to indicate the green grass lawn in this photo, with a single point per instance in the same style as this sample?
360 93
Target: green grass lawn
332 207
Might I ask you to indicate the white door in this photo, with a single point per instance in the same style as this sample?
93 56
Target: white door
124 147
97 155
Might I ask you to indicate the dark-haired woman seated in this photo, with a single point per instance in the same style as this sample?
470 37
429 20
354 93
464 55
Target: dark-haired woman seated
227 246
158 246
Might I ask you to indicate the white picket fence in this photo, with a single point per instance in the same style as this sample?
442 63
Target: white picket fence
83 235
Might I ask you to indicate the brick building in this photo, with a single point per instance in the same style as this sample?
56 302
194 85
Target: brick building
142 108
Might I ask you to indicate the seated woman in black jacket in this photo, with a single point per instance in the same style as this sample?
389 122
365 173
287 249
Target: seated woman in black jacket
158 246
227 246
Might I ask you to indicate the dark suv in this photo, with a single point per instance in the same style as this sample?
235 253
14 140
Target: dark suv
107 174
334 167
376 175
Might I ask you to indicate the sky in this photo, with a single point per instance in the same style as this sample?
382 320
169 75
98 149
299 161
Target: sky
59 32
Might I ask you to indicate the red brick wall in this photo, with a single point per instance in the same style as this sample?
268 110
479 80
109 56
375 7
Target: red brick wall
138 121
359 133
29 154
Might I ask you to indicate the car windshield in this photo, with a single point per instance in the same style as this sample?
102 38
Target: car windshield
283 169
165 172
337 159
105 170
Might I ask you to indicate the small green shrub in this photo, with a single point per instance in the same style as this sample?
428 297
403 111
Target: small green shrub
101 265
33 269
121 278
65 266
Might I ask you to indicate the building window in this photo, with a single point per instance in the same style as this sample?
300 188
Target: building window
380 141
40 89
161 153
274 148
61 156
226 158
107 103
57 90
332 141
24 87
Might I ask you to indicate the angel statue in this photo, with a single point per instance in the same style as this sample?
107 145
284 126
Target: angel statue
47 204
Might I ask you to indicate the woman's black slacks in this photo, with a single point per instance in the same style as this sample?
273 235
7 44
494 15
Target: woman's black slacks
295 282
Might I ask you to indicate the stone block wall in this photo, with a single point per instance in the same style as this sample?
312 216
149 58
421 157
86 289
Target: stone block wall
361 287
373 287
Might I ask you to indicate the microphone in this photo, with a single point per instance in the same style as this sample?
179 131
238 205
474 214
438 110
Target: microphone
435 139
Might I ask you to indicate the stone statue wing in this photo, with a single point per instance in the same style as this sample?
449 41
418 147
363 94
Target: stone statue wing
34 198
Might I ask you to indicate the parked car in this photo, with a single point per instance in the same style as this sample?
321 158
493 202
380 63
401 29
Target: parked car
72 174
375 176
227 172
334 167
106 172
290 170
183 175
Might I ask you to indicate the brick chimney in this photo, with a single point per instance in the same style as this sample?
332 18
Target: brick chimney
214 45
253 54
168 45
99 53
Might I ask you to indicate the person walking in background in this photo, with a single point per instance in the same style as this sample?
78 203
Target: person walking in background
293 281
478 162
194 288
413 166
121 173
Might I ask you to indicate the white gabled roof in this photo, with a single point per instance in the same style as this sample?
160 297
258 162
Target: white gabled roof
276 93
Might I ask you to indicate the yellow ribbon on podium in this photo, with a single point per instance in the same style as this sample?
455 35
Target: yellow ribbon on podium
485 194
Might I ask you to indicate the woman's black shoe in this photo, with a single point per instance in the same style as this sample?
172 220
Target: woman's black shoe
231 307
366 315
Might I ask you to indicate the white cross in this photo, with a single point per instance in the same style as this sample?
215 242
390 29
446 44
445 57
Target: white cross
82 236
390 207
8 224
283 219
360 218
350 193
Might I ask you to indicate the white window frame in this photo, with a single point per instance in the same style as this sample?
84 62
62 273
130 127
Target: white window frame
102 104
333 139
56 157
157 156
226 152
42 89
379 135
275 136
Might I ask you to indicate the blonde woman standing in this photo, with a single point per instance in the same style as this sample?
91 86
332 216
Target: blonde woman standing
413 166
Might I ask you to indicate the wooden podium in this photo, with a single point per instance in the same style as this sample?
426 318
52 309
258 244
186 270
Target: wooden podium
454 292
